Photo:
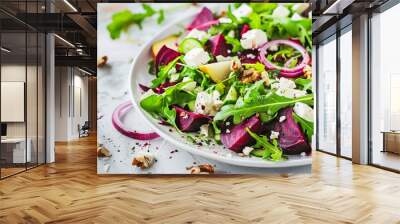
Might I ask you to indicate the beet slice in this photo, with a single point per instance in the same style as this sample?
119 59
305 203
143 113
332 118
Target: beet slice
249 56
237 137
165 55
245 28
203 20
188 121
291 138
218 45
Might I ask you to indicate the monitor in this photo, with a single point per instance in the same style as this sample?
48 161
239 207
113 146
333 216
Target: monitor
3 129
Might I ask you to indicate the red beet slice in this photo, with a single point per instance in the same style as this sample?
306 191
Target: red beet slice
291 138
188 121
165 55
203 20
245 28
249 56
237 137
218 45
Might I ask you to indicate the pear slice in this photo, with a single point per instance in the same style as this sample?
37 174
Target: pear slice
169 42
218 71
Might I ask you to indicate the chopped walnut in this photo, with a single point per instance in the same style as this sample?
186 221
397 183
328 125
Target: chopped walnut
201 169
143 161
102 61
103 152
307 72
265 77
250 76
236 65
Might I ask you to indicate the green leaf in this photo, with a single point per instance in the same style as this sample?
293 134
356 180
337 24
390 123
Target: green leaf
152 68
257 66
122 20
163 73
267 8
270 151
161 16
231 16
306 126
254 20
306 84
270 104
235 43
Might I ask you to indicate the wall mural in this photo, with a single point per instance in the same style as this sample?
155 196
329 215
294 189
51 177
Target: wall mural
204 88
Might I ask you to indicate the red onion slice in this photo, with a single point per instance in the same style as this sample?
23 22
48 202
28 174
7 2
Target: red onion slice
286 72
116 122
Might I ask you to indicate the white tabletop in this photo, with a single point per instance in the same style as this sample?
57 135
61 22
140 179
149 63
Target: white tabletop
113 90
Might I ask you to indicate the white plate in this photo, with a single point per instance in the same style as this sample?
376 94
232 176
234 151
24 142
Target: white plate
139 74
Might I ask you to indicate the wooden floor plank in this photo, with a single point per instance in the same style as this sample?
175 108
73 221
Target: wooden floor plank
70 191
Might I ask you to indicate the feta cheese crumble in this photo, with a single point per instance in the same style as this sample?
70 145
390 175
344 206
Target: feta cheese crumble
190 86
247 150
204 130
224 20
296 16
253 38
281 11
304 111
282 119
198 34
196 57
208 104
243 11
287 88
274 135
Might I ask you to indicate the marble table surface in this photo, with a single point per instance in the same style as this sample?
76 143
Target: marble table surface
113 89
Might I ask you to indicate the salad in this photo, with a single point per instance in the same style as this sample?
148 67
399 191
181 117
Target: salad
240 78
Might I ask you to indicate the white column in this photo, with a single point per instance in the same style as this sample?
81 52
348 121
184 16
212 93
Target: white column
360 90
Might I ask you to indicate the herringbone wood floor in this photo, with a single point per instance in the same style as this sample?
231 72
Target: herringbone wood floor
69 191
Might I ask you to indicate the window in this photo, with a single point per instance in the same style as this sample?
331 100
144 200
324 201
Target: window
327 96
385 89
346 92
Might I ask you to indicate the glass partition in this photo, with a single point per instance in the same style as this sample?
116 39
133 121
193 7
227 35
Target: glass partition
22 77
346 92
327 96
385 89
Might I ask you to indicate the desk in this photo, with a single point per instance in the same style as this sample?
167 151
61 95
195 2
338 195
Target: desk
13 150
391 141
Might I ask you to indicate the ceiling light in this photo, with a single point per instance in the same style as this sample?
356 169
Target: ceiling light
84 71
70 5
5 50
64 40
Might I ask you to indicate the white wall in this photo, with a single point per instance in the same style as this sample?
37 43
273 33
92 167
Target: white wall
71 102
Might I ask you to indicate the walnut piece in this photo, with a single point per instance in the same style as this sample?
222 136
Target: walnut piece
102 61
103 152
250 76
307 72
201 169
143 161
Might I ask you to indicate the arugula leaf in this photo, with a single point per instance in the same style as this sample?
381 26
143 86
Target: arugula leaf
306 84
163 73
270 104
161 16
231 16
159 105
263 8
270 151
257 66
306 126
152 67
235 43
122 20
